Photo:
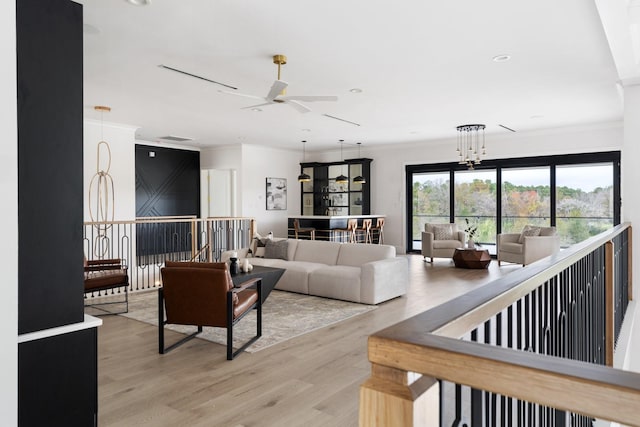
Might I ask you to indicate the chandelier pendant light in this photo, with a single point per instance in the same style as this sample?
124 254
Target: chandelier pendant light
303 177
359 179
470 144
341 179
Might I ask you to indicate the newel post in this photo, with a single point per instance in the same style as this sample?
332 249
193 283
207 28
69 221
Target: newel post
389 399
609 303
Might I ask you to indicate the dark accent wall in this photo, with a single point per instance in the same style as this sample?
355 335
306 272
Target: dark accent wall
49 83
167 183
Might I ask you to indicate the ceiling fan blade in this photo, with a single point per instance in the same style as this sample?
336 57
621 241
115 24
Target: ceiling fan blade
298 106
257 105
309 98
241 94
276 89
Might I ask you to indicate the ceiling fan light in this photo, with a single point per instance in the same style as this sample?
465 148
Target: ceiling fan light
359 180
303 177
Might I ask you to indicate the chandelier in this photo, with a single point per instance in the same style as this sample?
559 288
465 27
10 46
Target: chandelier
470 144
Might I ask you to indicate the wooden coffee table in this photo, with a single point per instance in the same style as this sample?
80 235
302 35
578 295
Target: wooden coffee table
471 258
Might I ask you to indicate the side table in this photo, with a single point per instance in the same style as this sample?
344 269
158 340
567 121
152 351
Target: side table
471 258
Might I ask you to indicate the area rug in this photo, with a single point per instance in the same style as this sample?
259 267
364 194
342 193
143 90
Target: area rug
285 315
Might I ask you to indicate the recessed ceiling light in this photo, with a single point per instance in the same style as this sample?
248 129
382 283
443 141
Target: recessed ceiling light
536 116
501 58
139 2
355 90
256 109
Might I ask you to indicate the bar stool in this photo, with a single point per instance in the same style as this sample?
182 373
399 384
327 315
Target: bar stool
352 226
380 229
366 230
297 229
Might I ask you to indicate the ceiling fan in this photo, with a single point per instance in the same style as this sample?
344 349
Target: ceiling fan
277 95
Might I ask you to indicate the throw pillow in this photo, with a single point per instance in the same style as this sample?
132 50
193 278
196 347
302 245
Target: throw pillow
442 232
276 249
528 231
258 246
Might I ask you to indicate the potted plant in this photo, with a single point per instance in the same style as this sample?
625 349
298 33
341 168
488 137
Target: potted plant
471 231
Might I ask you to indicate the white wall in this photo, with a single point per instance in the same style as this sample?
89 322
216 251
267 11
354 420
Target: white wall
121 140
254 164
9 217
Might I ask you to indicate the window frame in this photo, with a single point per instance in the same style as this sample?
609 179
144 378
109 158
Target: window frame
552 162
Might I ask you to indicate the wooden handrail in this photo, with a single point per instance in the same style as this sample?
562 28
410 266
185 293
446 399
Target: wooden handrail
589 389
429 344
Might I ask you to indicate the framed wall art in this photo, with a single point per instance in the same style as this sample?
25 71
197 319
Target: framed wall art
276 194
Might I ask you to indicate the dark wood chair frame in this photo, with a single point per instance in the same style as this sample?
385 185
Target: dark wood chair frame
231 322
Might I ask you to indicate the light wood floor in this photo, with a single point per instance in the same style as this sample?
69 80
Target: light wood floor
312 380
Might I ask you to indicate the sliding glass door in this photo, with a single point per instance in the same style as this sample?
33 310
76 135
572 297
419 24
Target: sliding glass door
526 198
475 203
577 193
585 201
431 202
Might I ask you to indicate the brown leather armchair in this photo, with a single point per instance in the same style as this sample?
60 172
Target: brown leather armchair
102 275
202 294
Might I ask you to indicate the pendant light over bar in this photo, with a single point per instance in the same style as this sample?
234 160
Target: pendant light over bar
359 179
470 144
341 179
303 177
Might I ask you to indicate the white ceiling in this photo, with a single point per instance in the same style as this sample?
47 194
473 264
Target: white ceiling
424 67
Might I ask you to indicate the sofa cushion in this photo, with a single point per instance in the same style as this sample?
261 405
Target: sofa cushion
337 281
446 244
276 249
296 275
514 248
318 251
529 231
356 254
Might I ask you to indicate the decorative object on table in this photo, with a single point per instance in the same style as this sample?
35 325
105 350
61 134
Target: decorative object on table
471 231
101 192
303 177
233 267
470 144
245 267
276 194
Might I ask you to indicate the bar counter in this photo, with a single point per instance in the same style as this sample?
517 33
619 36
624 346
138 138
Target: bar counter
326 225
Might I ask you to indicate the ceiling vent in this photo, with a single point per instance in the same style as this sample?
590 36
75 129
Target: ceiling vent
174 138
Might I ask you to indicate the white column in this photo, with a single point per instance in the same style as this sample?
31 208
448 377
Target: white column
631 174
9 217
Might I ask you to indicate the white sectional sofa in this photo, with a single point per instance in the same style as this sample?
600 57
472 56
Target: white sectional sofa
363 273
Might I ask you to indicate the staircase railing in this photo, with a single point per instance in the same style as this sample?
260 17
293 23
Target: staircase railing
145 243
534 348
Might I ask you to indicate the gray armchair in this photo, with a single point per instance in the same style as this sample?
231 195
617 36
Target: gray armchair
522 249
441 240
